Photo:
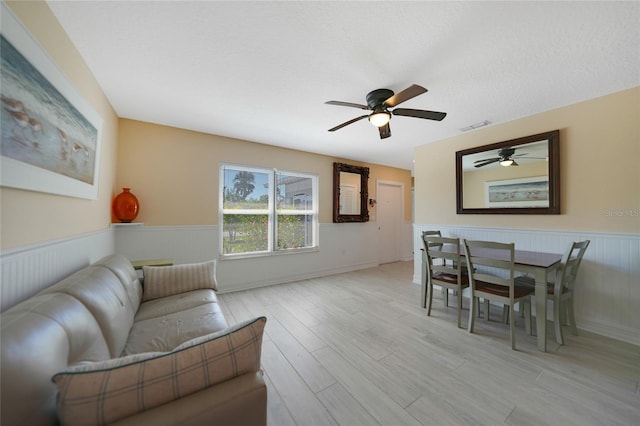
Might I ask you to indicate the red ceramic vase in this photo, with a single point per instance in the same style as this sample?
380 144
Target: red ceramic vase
125 206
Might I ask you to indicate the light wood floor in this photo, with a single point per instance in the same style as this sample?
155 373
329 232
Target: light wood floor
356 349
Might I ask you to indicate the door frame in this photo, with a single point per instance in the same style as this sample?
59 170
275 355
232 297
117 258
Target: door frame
400 222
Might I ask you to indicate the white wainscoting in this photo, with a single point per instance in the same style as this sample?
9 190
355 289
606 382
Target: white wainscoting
608 286
343 247
29 269
183 244
406 242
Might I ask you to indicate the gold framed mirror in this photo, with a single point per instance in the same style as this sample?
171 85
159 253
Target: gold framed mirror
350 193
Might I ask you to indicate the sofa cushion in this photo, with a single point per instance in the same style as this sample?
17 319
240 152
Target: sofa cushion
161 281
38 338
176 303
123 269
162 333
104 392
101 291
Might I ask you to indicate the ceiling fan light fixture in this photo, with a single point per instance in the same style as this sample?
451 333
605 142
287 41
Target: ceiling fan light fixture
379 101
506 162
379 118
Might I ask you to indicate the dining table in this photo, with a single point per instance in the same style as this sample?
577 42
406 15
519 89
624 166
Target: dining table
537 265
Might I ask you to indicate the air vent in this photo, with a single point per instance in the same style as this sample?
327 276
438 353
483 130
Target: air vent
475 126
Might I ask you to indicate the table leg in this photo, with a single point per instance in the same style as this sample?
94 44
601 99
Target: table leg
541 309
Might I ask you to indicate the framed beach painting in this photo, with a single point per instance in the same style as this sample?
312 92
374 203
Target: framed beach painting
524 192
50 135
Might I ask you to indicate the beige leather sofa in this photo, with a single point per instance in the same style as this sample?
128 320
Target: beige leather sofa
95 349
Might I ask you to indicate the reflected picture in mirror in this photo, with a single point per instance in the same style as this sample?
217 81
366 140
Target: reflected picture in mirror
518 176
350 193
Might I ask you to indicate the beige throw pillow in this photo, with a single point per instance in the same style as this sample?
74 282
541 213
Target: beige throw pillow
100 393
161 281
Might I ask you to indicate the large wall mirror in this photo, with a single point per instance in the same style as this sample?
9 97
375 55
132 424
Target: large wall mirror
518 176
350 193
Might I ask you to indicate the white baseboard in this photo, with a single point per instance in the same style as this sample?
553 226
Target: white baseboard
614 331
299 277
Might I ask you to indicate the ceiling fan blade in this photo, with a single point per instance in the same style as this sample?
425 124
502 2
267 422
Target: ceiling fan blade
487 162
408 93
385 131
346 123
420 113
347 104
514 163
487 159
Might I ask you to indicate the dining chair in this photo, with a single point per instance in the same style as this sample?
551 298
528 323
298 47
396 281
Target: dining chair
423 295
447 275
491 276
561 290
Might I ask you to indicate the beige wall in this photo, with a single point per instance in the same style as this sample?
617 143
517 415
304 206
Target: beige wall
599 168
175 172
31 217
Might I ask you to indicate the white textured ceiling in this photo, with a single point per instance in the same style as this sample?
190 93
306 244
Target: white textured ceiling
261 71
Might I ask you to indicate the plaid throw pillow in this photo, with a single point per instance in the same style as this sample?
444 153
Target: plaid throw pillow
104 392
161 281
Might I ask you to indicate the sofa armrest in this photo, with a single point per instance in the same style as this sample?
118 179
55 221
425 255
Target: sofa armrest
239 401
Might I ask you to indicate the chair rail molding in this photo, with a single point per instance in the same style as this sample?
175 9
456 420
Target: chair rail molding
607 286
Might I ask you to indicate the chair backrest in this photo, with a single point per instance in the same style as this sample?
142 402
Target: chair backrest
439 248
570 264
490 262
427 234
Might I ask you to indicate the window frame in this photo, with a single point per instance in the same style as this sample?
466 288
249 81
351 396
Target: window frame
272 211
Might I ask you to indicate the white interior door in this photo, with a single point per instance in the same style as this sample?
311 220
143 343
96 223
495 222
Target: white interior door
390 206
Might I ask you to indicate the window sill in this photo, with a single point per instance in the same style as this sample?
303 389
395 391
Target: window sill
268 254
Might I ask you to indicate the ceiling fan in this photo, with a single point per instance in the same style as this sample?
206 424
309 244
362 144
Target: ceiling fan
379 101
505 157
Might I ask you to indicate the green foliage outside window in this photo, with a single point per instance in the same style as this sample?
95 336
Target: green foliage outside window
292 231
245 232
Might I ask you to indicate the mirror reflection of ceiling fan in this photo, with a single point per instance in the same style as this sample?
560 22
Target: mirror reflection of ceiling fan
379 101
505 157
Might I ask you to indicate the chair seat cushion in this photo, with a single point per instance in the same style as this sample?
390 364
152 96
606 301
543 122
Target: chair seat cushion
451 278
520 290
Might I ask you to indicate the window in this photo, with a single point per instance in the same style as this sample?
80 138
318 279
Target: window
267 210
